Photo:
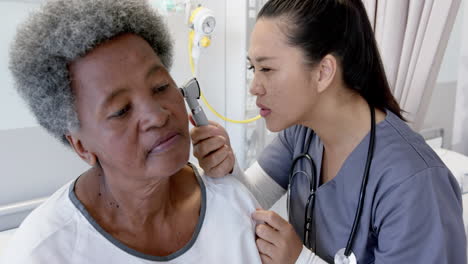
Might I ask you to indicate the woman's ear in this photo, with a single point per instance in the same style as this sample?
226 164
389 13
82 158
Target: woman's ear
326 72
81 150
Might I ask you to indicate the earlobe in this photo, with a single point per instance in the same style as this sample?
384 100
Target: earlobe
78 147
327 71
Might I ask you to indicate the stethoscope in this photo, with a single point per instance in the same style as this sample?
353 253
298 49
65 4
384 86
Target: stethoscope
344 255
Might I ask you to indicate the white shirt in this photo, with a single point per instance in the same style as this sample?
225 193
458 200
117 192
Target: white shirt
61 231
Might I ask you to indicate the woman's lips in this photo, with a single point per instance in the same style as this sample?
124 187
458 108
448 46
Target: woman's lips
164 144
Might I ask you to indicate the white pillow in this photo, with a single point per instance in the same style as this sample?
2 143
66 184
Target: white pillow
457 163
5 236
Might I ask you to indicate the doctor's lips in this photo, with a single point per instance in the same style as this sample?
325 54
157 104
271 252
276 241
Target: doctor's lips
264 111
164 143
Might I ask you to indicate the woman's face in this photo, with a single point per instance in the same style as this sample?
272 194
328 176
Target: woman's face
284 84
133 118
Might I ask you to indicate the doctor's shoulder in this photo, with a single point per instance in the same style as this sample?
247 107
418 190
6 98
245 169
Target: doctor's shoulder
402 154
406 174
414 197
47 235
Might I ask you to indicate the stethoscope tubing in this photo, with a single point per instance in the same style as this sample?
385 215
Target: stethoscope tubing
314 184
362 193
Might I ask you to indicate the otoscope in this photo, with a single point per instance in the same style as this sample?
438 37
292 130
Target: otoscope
191 93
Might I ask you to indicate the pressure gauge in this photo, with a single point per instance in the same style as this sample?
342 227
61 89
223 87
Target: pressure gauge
209 25
203 21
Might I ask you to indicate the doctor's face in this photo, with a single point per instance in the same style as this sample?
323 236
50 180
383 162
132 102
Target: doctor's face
132 115
283 82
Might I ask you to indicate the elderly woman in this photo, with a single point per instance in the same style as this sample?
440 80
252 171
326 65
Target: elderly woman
95 74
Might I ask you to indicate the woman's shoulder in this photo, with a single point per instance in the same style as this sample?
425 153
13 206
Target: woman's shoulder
45 229
228 191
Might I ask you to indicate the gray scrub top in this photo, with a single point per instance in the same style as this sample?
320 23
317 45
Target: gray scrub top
412 211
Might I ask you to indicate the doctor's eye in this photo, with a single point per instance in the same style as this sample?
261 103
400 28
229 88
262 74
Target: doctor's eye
265 70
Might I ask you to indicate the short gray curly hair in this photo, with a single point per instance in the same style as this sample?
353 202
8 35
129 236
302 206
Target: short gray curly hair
64 30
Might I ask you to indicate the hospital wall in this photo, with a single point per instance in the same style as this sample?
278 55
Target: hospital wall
441 109
32 163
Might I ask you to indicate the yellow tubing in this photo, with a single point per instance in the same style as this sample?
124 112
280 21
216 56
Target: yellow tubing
192 67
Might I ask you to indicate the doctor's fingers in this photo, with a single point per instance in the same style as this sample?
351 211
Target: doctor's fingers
218 164
269 234
265 259
272 219
198 134
208 146
267 249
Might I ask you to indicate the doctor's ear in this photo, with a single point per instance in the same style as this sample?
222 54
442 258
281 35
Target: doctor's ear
326 72
81 150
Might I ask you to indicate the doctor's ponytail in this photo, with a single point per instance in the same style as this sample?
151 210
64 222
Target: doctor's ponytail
340 28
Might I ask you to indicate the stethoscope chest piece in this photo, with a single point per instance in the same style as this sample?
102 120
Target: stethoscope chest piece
341 258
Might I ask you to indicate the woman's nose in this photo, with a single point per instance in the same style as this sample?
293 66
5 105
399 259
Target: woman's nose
154 115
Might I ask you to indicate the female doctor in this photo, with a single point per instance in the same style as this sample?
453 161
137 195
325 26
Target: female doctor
362 186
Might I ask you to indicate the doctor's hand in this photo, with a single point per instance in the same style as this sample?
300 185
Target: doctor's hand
277 240
212 148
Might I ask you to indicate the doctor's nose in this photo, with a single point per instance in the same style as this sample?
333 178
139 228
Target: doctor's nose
257 88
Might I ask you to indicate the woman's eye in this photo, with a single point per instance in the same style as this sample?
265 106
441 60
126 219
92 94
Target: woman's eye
251 68
121 112
265 70
160 89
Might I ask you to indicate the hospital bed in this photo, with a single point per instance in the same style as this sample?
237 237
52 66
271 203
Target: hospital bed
12 215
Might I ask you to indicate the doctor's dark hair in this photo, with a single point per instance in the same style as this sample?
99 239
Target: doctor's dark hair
340 28
62 31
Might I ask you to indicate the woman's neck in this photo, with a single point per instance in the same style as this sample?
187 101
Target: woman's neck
139 203
156 217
